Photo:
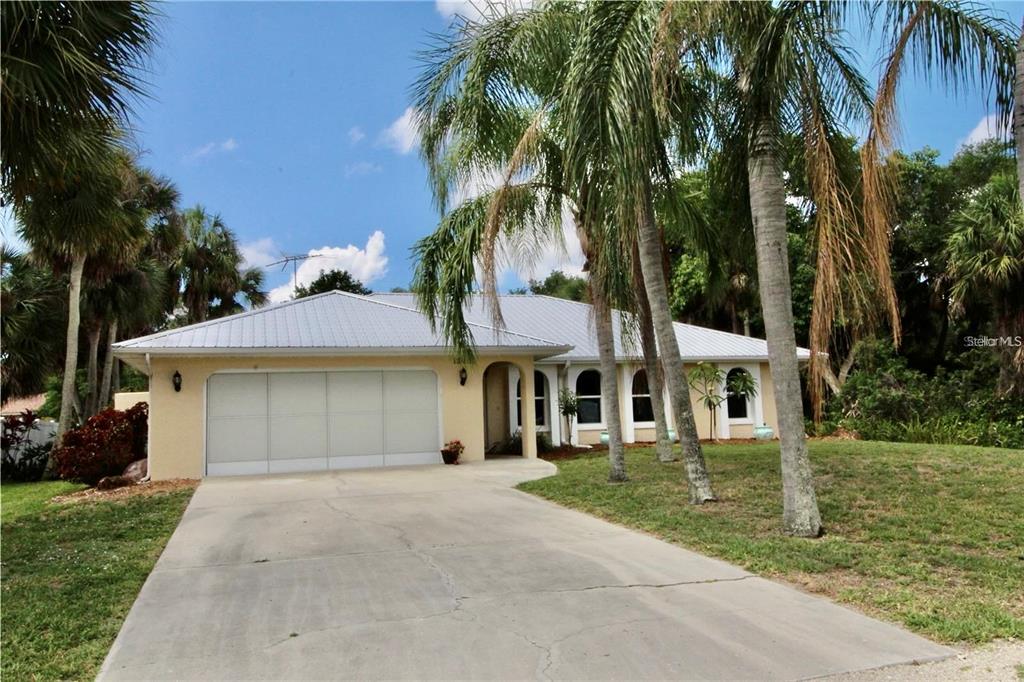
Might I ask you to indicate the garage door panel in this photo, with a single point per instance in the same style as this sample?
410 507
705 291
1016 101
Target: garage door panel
298 437
412 458
284 466
298 393
355 392
410 432
356 434
236 439
237 395
356 462
306 421
410 390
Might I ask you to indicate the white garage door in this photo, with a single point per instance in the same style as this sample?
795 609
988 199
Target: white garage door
303 421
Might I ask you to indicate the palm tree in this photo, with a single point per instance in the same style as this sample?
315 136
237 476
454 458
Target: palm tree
33 304
69 71
1018 110
134 300
208 269
613 121
122 284
75 217
469 134
985 255
789 72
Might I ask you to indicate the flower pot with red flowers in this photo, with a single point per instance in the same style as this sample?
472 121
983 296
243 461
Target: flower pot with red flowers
451 451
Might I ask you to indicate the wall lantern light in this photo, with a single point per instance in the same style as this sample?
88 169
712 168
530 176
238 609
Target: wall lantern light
176 380
463 374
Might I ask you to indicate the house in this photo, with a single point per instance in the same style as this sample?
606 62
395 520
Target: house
339 380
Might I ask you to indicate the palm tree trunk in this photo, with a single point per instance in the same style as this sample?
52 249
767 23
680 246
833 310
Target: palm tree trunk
651 264
115 380
1018 112
68 388
108 364
800 515
652 366
609 383
92 373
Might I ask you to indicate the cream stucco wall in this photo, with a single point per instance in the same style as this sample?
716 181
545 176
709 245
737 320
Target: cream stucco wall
124 401
177 419
769 415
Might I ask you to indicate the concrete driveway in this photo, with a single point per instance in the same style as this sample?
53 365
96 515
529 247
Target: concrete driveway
448 573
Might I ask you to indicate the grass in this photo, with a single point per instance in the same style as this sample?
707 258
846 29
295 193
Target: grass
70 574
928 536
24 499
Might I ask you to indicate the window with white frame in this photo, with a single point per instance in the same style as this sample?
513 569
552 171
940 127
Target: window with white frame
540 399
643 410
588 397
737 405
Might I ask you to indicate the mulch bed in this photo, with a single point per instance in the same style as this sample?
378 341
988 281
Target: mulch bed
138 490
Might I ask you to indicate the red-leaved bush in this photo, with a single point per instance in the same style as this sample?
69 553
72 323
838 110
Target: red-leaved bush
103 446
138 415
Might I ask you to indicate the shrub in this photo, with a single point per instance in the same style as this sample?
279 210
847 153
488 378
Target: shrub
103 446
884 399
15 431
21 460
26 464
138 416
513 445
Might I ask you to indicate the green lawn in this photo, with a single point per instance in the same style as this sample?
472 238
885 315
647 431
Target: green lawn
70 574
23 499
924 535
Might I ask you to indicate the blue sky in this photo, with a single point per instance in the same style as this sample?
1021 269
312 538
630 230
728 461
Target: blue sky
287 119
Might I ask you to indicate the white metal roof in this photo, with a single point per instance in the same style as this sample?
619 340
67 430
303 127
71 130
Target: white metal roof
571 324
333 322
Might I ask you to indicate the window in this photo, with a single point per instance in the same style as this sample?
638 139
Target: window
588 397
737 404
540 400
643 411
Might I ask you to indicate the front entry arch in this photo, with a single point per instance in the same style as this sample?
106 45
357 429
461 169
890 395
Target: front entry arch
503 410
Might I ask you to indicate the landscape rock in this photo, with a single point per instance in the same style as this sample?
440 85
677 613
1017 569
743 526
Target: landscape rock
111 482
137 470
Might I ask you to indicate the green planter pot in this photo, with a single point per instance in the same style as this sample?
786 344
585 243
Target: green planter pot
604 438
763 432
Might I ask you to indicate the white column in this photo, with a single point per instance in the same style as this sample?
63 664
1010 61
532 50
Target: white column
722 409
626 402
529 419
554 418
513 378
758 406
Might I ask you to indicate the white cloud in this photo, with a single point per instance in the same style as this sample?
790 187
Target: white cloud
362 168
210 148
987 128
355 134
475 10
402 135
365 264
259 253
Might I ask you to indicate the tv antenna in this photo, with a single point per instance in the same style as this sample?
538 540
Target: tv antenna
294 260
